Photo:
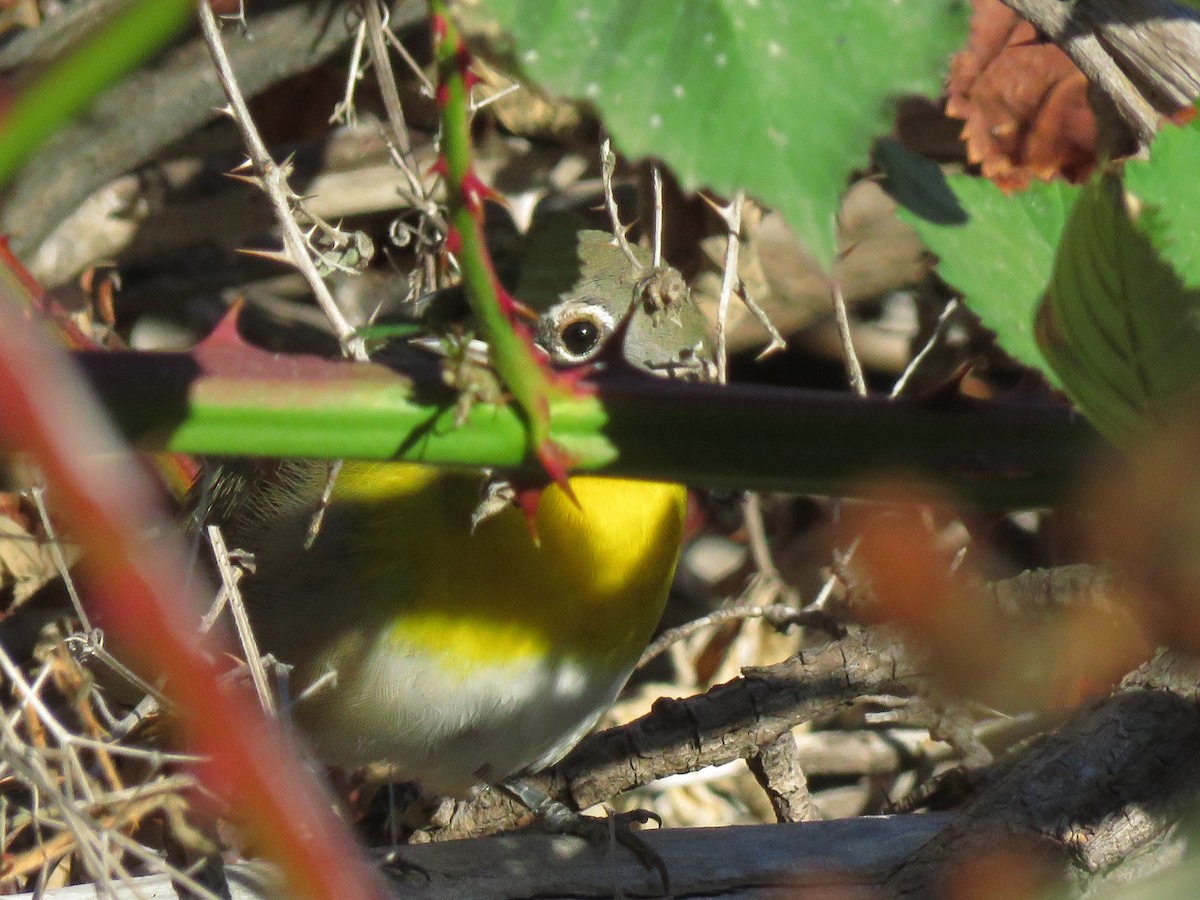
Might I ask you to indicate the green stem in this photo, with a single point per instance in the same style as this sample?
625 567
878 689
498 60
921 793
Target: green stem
244 402
532 384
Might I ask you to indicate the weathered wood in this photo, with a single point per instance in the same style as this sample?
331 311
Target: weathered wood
749 862
1099 799
728 722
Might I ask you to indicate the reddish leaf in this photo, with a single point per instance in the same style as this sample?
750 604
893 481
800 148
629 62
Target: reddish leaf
1024 102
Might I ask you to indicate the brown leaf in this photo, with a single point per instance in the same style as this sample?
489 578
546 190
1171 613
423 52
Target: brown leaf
1024 102
25 561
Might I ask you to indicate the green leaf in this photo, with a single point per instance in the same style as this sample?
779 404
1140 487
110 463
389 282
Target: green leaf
1167 187
1118 324
779 97
997 250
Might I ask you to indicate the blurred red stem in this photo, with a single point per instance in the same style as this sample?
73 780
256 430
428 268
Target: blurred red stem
108 505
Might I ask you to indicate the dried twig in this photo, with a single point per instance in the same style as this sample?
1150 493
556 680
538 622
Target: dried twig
273 181
80 803
777 769
656 179
230 576
756 536
386 79
779 615
854 370
731 214
345 112
60 562
939 331
731 283
608 167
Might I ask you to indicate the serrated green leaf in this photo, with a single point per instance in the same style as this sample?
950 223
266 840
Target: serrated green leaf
1117 323
997 250
1167 188
779 97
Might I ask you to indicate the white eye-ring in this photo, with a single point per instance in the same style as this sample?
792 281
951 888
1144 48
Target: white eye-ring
574 332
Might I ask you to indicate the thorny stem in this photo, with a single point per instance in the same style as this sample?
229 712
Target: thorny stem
105 499
273 181
510 344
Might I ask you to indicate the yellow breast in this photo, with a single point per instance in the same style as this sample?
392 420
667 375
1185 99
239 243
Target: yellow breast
592 586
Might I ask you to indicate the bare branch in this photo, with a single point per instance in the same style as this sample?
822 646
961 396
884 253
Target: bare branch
230 576
854 370
608 166
273 181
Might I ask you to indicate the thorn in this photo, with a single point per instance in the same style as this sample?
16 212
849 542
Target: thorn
574 379
440 28
729 212
225 333
520 309
279 256
556 461
475 192
247 179
772 348
526 499
462 58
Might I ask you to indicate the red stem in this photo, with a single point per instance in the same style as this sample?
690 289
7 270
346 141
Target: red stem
106 502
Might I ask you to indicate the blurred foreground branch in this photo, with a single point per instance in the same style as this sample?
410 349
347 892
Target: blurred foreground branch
172 96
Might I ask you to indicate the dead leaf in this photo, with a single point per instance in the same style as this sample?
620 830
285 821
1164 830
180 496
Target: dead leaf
1024 102
26 563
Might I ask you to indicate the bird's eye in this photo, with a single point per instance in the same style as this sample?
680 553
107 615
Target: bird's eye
574 332
580 336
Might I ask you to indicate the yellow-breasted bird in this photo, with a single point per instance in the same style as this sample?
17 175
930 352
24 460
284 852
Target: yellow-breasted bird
462 657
